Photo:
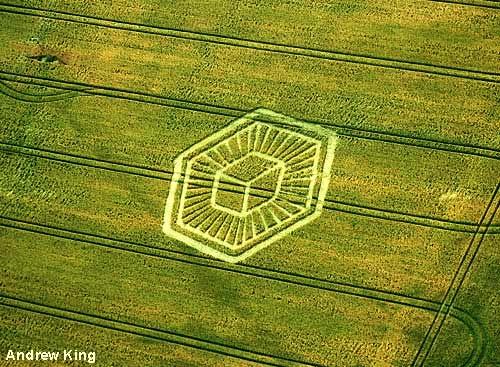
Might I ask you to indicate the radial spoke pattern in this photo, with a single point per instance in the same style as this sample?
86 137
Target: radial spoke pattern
285 167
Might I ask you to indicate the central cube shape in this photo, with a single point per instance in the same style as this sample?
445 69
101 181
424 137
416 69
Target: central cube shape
247 183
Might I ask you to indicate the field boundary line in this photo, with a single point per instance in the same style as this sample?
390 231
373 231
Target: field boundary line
477 3
456 282
150 332
74 159
13 302
342 130
204 261
330 204
369 60
476 329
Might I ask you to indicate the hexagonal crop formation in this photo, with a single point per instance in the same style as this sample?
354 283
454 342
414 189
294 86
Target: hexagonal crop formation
249 184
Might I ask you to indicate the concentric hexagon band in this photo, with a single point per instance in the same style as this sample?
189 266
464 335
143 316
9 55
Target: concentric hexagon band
249 184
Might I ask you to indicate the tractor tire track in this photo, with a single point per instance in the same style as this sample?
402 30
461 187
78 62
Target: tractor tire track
35 98
232 112
164 175
204 261
476 329
486 4
449 308
368 60
150 333
456 283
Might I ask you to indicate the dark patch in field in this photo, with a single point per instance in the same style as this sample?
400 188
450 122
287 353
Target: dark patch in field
47 58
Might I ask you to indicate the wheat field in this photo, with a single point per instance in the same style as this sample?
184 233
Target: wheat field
379 248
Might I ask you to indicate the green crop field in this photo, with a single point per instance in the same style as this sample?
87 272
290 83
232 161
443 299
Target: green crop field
258 183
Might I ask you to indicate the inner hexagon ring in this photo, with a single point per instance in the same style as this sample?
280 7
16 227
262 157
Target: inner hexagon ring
249 184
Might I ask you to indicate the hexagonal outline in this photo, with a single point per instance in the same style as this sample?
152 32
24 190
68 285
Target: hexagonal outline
331 144
259 124
244 243
278 163
211 238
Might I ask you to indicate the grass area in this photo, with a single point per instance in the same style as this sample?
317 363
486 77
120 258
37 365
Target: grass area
266 316
442 34
447 353
349 289
391 100
480 297
369 173
414 260
28 331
